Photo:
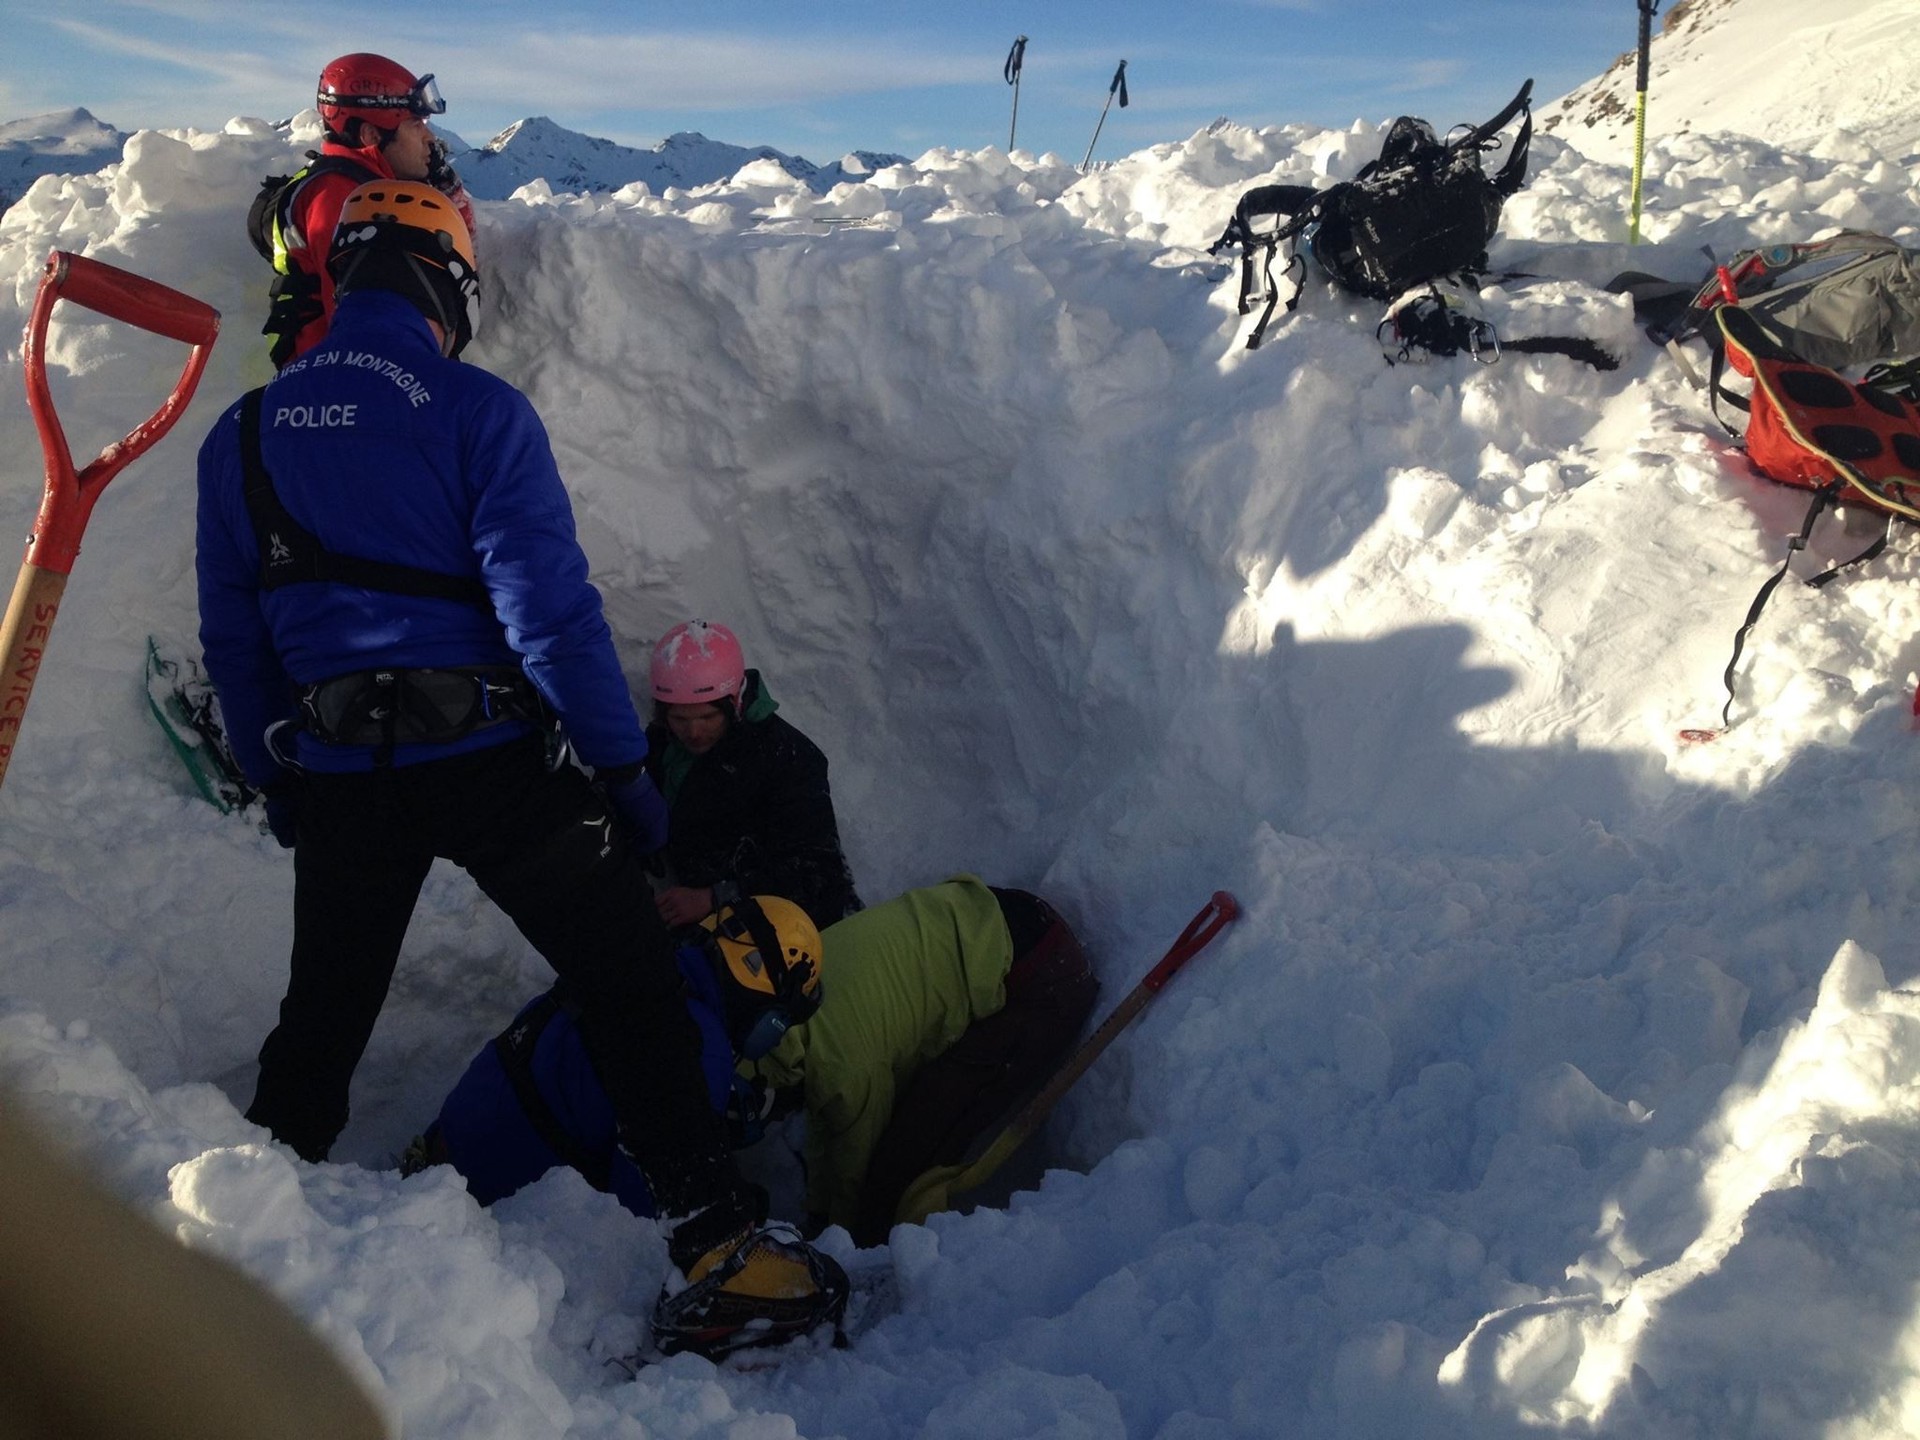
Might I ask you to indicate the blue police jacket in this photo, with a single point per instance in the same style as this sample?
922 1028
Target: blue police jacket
386 450
497 1149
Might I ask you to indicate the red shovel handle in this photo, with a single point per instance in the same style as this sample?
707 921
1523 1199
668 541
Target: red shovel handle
134 299
934 1190
1215 914
68 500
1203 927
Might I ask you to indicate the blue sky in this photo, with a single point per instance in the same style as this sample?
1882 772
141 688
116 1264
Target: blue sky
821 79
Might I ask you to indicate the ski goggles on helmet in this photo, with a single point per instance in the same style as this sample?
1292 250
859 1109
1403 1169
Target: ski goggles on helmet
423 99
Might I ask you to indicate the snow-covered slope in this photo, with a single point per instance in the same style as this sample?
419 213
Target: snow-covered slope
1782 70
1559 1077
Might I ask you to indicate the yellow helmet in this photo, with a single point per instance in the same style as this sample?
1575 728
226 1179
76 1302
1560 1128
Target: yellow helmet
767 955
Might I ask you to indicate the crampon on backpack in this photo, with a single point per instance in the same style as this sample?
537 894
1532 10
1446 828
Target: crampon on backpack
1429 320
1808 426
293 302
1423 210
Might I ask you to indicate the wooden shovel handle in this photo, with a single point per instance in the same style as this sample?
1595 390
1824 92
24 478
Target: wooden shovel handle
23 641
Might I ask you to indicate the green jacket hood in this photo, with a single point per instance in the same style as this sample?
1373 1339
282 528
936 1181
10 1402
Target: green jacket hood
757 703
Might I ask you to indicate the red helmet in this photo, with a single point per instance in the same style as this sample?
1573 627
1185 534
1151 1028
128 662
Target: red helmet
375 89
698 663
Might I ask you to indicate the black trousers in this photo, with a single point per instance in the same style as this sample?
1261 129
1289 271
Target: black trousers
952 1099
543 847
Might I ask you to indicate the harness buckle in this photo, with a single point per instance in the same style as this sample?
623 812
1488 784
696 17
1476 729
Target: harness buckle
394 706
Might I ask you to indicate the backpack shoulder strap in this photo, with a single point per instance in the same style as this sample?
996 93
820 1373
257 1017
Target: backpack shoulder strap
355 170
291 554
1294 201
515 1048
1822 498
1301 205
1485 131
1513 174
318 165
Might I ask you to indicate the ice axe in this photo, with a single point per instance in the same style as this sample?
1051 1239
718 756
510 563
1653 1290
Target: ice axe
70 494
934 1190
1647 7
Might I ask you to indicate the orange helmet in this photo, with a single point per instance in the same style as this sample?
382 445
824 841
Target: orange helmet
405 236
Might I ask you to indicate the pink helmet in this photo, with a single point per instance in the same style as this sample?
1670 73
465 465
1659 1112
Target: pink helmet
698 663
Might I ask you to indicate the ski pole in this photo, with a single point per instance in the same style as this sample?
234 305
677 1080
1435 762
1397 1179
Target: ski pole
1119 84
1647 8
70 495
1016 57
935 1189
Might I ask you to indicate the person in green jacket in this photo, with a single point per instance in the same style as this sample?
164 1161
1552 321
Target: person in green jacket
948 1003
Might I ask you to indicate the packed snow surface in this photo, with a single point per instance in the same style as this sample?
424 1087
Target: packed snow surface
1559 1076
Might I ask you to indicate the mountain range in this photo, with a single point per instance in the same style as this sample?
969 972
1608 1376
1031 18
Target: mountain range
74 141
539 149
1757 67
65 142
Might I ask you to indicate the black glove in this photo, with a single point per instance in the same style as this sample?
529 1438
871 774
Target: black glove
282 797
749 1103
440 172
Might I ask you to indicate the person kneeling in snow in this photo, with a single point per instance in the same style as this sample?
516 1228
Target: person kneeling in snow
531 1099
949 1002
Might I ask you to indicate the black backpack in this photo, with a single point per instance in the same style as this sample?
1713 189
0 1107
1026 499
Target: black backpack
294 299
1425 209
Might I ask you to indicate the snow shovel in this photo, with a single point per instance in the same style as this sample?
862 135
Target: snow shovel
934 1190
70 494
